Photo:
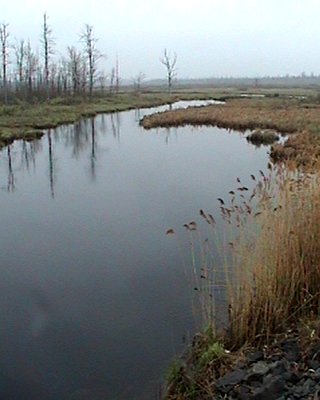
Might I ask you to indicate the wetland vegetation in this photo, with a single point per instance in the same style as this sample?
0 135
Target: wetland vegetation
271 259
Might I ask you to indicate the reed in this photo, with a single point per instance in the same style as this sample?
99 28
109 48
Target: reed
270 276
275 276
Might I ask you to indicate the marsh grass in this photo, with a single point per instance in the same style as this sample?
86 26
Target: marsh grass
270 277
271 271
25 120
275 276
260 136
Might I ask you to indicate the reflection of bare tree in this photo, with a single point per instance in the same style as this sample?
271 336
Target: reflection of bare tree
28 154
137 114
51 164
11 182
115 125
93 150
103 123
78 137
168 133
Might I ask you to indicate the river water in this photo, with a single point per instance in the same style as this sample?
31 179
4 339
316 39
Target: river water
95 299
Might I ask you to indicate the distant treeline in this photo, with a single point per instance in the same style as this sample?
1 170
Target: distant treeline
287 81
41 73
37 74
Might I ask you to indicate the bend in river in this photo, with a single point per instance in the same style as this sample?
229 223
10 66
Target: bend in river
95 299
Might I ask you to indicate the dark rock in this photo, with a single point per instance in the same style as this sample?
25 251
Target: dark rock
274 389
291 377
314 364
315 352
255 356
225 383
308 386
291 349
261 368
257 371
276 357
242 393
278 367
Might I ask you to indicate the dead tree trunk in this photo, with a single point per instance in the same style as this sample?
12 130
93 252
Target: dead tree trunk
47 42
92 53
169 61
4 36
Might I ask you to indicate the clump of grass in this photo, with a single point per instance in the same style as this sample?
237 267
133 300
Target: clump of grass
271 274
263 136
275 278
194 378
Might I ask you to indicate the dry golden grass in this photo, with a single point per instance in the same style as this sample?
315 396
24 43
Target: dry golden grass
275 279
272 277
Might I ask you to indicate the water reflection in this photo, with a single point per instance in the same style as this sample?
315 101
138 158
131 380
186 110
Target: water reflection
115 120
93 151
51 164
11 179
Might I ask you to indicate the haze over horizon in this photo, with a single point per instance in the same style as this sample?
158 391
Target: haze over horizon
211 38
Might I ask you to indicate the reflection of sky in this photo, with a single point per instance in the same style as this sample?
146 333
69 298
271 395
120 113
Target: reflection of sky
118 292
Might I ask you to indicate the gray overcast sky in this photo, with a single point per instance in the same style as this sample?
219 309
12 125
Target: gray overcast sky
211 37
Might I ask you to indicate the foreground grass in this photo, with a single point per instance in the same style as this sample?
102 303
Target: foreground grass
272 280
27 121
299 117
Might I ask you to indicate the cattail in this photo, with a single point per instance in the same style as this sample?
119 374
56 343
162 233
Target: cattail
212 219
192 226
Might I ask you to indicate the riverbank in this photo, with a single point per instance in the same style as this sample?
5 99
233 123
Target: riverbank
289 368
269 348
298 117
28 121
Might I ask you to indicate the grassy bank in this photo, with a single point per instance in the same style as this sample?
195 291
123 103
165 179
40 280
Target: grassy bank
27 121
271 249
297 116
272 279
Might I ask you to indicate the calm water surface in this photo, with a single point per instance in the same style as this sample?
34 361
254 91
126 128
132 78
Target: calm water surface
94 297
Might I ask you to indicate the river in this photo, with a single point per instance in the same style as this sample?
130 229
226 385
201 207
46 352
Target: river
95 298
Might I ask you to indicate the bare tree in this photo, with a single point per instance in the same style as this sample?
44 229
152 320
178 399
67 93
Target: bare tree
47 43
92 53
20 54
112 78
4 36
75 65
169 61
137 81
117 75
31 67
